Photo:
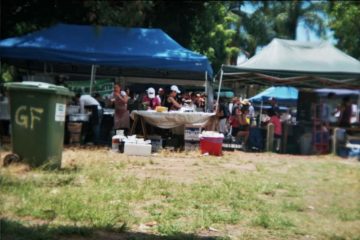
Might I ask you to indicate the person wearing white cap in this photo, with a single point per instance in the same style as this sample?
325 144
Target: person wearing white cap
171 102
150 101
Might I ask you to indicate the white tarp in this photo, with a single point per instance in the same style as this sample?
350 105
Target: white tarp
172 119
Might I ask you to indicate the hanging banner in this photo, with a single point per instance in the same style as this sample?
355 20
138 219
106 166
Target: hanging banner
102 86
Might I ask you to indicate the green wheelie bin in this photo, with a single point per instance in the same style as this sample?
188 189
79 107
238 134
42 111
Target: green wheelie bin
37 112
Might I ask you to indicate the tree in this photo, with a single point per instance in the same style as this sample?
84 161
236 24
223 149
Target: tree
344 21
252 29
286 16
214 35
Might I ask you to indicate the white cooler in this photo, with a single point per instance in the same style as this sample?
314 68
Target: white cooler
137 149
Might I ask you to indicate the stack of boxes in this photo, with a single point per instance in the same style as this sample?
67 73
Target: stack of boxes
191 137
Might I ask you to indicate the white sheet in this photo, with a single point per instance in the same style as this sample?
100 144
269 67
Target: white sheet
173 119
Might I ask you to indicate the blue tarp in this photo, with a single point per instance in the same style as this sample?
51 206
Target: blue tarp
111 46
281 94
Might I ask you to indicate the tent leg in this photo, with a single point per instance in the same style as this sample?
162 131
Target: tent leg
358 108
209 95
218 94
206 92
92 79
260 116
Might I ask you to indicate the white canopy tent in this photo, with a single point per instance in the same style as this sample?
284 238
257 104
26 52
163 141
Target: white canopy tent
298 64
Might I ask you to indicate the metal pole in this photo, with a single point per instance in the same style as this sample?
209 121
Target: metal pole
206 92
92 79
260 117
358 108
218 95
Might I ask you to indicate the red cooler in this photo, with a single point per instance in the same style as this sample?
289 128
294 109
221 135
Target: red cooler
211 145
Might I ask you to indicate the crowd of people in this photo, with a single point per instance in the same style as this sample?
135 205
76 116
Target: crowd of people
237 119
123 101
234 118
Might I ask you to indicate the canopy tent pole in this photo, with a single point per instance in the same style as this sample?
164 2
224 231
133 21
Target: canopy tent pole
210 96
358 108
206 92
92 79
260 116
219 88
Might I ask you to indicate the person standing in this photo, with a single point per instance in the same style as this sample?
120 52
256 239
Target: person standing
88 102
274 106
328 110
223 115
150 100
275 120
121 116
161 96
345 112
171 102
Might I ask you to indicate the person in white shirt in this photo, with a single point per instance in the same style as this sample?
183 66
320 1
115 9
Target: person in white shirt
88 102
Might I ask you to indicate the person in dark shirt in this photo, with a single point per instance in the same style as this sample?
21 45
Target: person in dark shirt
223 114
171 103
161 96
345 112
274 106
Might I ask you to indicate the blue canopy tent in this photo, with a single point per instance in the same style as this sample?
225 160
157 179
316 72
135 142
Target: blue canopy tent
118 51
283 95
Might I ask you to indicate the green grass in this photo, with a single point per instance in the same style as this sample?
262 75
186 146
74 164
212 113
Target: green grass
279 199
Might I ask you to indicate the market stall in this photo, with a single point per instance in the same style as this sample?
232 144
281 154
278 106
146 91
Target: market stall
304 65
126 54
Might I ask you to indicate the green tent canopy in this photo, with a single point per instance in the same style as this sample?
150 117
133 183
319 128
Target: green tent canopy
298 64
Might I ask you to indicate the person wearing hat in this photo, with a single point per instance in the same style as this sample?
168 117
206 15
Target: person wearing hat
251 111
150 101
171 102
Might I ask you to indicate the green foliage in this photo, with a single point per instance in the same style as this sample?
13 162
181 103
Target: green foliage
215 39
284 17
344 21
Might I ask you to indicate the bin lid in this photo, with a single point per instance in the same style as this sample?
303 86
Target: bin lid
39 86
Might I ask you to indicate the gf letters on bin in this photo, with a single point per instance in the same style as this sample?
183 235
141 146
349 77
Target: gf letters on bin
26 116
